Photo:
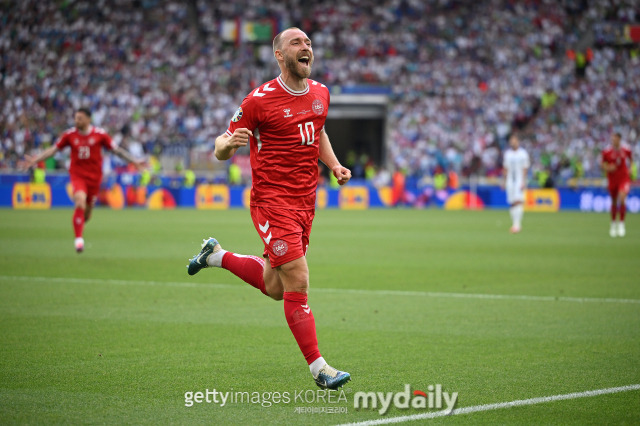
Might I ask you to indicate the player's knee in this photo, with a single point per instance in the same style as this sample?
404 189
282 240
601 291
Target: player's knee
80 201
297 282
272 284
274 289
299 285
277 296
294 276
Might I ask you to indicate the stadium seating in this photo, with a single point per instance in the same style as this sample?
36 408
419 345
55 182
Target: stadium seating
160 75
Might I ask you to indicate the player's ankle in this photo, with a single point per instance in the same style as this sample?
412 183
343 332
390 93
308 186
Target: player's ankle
316 365
215 259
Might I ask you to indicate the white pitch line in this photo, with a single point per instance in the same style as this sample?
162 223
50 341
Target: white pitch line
496 406
114 282
480 296
335 290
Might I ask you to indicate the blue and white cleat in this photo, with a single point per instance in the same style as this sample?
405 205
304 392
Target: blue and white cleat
199 261
330 378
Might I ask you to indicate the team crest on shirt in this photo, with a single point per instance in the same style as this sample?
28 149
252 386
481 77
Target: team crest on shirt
237 116
287 112
280 247
92 141
317 106
75 141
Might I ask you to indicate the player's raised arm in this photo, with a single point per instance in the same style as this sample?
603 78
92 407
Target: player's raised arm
126 156
607 167
505 177
227 145
328 157
31 161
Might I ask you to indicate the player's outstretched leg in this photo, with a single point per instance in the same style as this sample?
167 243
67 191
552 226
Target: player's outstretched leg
78 227
250 269
80 202
199 261
613 230
330 378
516 211
623 209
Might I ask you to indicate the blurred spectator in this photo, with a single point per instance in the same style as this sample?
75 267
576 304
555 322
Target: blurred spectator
159 75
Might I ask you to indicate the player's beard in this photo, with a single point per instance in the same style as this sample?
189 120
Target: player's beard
292 65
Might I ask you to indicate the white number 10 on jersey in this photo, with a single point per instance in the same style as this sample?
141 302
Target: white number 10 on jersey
308 134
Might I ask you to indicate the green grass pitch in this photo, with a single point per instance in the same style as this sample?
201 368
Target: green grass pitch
119 333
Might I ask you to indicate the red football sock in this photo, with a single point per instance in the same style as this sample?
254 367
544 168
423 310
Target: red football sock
614 210
78 221
302 324
247 268
623 210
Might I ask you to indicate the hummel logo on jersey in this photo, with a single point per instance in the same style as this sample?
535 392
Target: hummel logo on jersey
306 308
265 88
287 112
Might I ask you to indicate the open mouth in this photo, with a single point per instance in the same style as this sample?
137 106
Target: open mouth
304 60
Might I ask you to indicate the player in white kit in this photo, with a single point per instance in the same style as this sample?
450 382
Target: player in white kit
516 165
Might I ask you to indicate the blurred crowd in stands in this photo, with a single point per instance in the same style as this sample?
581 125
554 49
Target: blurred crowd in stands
463 75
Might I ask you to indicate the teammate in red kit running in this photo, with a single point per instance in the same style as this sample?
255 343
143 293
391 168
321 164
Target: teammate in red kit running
616 160
86 143
283 120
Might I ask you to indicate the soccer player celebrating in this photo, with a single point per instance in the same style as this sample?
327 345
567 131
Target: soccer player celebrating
516 165
616 160
283 121
86 143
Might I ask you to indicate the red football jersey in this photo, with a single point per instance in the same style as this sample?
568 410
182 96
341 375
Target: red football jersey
622 160
86 151
284 149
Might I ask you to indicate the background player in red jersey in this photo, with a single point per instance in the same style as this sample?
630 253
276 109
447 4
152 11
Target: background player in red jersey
616 160
283 120
86 143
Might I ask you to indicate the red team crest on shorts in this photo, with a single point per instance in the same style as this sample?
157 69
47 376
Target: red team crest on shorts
317 106
280 248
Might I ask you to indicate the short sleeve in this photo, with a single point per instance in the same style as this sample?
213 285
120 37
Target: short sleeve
246 116
107 142
63 141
